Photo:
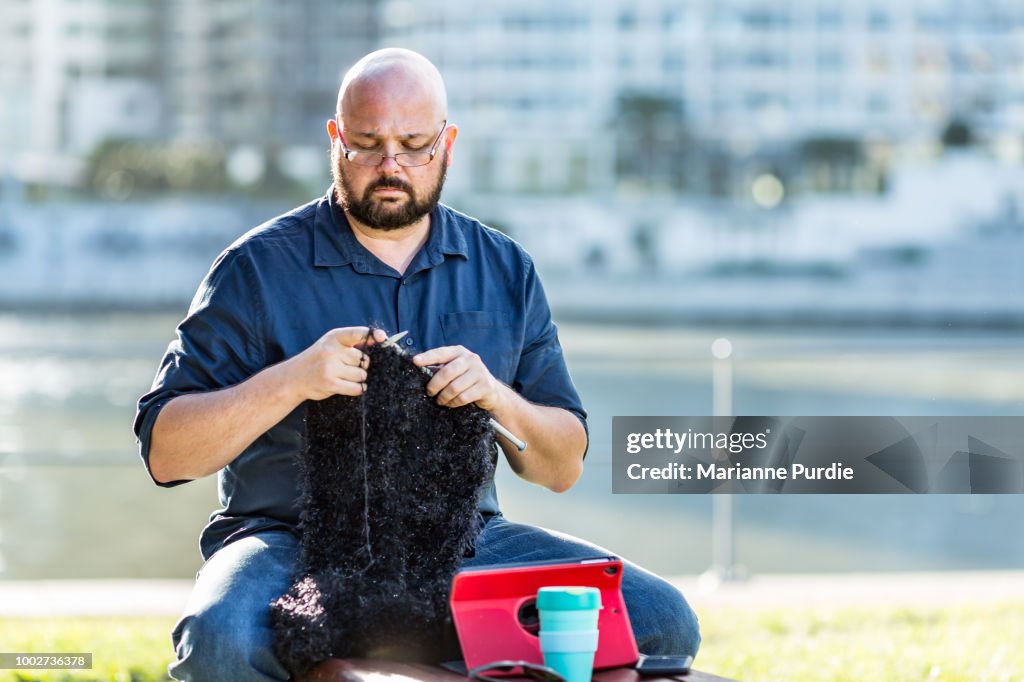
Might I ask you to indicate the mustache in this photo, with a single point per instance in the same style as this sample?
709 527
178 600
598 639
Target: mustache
391 183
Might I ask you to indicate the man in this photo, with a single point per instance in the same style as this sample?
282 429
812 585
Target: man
279 320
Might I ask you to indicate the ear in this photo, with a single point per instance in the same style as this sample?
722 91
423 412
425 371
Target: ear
332 130
450 133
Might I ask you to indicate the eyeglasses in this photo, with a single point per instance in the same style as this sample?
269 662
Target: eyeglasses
542 673
405 159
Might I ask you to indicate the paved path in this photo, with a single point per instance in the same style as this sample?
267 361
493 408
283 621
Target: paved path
22 598
93 597
910 589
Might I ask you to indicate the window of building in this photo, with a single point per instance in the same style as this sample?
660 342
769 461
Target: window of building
525 103
483 166
828 99
723 60
830 59
830 18
566 22
531 178
978 60
766 58
932 19
579 168
878 62
765 18
878 19
759 101
878 103
140 69
673 61
929 108
930 59
983 105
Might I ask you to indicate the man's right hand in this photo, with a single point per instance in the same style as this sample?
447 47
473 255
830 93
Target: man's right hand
197 434
334 365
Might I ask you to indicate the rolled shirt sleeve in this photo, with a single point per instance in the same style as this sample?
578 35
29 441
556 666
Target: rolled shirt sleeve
542 376
216 346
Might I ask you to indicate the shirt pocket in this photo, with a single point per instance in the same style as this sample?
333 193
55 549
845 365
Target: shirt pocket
488 334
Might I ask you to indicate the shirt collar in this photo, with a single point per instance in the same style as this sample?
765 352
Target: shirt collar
335 245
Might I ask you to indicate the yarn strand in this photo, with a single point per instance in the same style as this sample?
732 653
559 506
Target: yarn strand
366 475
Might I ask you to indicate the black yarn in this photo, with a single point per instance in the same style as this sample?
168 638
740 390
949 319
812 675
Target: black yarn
377 585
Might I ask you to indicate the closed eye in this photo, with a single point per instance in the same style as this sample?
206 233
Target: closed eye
373 145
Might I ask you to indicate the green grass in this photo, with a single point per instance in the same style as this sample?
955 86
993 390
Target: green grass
946 644
123 649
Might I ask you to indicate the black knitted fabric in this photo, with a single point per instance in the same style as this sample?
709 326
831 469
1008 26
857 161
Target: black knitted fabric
377 584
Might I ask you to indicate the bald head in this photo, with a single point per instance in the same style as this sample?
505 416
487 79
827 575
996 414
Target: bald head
391 142
393 76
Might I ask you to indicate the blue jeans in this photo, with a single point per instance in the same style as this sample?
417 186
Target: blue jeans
225 632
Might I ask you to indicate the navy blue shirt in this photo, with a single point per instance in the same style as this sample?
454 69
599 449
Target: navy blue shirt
281 286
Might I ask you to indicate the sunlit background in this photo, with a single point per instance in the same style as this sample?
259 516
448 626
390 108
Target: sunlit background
833 185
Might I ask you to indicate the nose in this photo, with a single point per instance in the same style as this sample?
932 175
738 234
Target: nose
390 148
389 165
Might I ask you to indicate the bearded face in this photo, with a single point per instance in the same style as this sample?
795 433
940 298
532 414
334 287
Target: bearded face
390 211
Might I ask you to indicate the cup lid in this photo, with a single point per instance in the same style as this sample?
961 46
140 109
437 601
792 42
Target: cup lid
570 598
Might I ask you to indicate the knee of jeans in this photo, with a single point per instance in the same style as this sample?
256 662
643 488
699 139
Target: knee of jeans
686 638
677 628
214 641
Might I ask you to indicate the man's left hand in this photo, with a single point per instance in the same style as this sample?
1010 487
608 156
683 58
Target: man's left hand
461 379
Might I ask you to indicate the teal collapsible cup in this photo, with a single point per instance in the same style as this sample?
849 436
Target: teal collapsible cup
568 629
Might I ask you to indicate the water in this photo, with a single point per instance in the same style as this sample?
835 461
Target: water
74 499
76 502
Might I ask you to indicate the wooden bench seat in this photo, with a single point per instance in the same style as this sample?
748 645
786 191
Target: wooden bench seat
355 670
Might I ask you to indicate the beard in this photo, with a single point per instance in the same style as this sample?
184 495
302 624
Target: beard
386 214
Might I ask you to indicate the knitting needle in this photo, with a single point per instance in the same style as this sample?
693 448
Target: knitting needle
394 338
512 438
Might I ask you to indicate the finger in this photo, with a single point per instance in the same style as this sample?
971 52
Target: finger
349 388
454 394
376 336
349 373
349 336
352 356
437 356
445 375
467 397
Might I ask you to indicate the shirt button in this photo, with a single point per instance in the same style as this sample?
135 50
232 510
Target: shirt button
408 341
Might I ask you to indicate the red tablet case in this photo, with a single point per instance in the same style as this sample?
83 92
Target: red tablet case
490 603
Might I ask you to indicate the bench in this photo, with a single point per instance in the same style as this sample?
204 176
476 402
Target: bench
355 670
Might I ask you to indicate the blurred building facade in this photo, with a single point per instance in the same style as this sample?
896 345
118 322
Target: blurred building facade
245 71
560 97
236 72
563 97
73 73
738 137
